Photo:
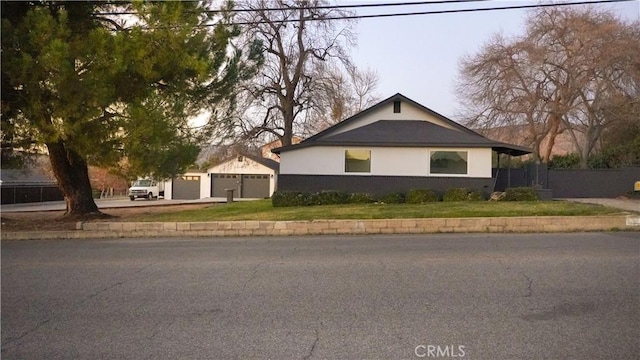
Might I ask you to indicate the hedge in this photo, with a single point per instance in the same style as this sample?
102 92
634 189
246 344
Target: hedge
421 196
361 198
463 194
392 198
520 194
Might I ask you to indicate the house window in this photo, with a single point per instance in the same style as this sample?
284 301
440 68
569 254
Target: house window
357 161
396 107
449 162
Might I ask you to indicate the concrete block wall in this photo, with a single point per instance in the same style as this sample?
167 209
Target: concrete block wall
355 227
93 230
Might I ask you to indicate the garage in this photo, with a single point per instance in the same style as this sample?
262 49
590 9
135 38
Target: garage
251 177
255 186
186 187
248 186
221 182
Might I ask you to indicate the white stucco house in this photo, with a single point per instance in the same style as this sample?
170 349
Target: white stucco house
250 177
393 146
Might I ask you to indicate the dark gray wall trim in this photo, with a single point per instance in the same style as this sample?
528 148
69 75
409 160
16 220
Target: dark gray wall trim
378 185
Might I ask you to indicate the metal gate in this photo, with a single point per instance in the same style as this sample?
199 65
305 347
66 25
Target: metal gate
186 188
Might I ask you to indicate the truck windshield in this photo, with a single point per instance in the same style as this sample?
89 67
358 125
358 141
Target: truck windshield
142 183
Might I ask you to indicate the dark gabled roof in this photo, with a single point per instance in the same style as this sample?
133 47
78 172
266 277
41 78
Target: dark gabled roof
404 133
24 177
270 163
389 100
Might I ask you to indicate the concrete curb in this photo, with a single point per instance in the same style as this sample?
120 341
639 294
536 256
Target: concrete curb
93 230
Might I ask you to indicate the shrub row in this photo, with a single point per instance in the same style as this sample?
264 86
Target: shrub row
414 196
520 194
295 198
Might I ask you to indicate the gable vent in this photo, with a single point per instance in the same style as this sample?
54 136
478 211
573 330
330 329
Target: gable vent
396 106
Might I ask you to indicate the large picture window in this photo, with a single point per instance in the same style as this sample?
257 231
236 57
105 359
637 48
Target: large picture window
449 162
358 161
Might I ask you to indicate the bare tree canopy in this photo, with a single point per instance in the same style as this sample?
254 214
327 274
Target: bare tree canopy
562 75
307 77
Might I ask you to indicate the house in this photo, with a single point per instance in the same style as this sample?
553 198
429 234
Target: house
393 146
250 177
266 148
31 183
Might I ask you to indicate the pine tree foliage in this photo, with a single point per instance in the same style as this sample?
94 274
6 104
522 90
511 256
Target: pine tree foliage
95 87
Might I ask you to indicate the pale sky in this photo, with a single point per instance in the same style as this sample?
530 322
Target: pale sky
418 56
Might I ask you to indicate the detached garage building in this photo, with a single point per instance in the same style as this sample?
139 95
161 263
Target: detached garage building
188 186
251 177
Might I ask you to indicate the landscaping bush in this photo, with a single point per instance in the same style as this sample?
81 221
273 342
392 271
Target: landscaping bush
421 196
463 194
290 198
520 194
329 198
360 198
393 198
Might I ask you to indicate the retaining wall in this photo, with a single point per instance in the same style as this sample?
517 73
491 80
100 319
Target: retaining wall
336 227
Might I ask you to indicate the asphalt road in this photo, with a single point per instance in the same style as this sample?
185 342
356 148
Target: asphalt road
482 296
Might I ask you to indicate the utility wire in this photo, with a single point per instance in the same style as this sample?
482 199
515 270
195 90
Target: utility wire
320 7
433 12
415 13
356 6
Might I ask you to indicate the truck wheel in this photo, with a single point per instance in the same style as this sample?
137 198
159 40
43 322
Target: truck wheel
132 198
150 196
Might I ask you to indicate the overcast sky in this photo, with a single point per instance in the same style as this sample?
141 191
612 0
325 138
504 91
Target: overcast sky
418 56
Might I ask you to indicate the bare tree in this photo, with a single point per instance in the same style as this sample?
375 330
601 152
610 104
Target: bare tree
557 77
341 92
500 88
301 50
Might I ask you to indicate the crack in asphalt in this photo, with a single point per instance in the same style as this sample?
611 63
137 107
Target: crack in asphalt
93 295
14 339
114 285
529 285
314 344
529 292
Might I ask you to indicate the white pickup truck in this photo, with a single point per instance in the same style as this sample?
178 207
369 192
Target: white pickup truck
147 189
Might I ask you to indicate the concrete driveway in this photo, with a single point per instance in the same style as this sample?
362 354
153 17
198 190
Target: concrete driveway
622 204
122 202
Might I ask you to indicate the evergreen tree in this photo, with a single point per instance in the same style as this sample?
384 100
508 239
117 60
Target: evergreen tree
102 83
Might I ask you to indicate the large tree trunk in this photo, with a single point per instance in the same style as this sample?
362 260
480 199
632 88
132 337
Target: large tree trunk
72 174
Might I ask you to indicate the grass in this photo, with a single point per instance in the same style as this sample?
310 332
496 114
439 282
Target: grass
264 211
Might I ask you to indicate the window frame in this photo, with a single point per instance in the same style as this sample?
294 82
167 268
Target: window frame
346 172
438 174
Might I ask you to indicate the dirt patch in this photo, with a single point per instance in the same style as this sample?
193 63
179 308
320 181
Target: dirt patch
54 220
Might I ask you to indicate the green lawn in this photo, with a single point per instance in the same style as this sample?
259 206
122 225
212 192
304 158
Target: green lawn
262 210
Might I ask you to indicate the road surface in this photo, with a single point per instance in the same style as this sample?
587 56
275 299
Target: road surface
479 296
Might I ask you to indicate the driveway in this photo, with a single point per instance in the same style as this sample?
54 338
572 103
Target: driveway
622 204
122 202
